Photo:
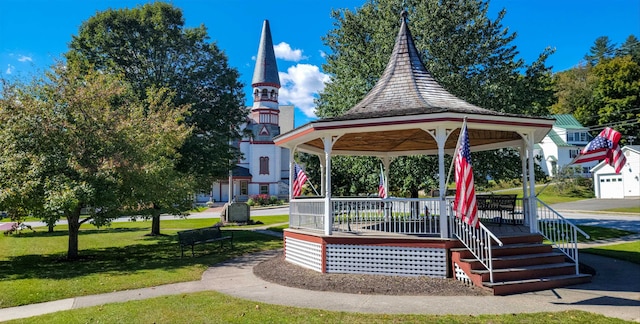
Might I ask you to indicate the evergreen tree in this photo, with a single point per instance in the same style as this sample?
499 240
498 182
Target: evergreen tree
601 49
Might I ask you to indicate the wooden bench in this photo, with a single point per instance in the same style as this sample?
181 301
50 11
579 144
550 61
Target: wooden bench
497 203
201 236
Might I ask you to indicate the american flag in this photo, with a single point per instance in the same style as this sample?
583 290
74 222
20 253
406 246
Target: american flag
603 147
465 201
382 193
299 179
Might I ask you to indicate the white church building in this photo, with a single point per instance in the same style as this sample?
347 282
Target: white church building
264 167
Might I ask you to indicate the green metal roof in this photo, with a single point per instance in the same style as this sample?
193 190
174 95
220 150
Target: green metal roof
567 121
557 140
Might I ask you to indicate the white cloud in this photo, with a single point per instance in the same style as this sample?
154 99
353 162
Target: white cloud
24 58
10 69
322 54
300 85
284 51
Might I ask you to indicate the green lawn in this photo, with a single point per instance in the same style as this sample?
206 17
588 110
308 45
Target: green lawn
624 251
33 268
632 210
212 307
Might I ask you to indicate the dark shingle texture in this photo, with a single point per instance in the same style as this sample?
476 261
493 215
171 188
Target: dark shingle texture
266 70
407 88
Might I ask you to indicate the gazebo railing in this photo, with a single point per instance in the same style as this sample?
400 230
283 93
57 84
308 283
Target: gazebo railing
359 215
394 215
306 213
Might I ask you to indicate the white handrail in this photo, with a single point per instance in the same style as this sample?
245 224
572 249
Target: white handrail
477 240
562 233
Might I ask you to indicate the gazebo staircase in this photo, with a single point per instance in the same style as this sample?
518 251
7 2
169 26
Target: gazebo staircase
523 264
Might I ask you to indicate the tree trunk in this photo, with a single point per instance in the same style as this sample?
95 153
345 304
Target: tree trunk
73 219
155 220
415 205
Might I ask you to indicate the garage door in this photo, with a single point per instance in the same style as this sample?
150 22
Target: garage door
611 186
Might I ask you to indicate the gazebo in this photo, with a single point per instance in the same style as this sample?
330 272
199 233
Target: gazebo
408 113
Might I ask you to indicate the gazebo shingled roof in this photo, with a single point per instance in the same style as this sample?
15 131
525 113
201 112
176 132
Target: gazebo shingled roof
396 114
406 87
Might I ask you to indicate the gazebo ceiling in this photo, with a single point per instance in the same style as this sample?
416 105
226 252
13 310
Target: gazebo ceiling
403 112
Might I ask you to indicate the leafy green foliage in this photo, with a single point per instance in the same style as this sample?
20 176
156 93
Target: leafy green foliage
150 47
83 140
603 92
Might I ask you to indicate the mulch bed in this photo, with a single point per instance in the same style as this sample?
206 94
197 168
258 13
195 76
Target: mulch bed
279 271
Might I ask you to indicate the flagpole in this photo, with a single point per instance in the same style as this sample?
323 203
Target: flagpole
312 187
309 182
455 155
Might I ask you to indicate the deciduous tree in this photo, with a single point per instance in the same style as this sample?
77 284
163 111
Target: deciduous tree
77 140
150 46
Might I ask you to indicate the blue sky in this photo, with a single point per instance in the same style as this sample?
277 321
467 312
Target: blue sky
34 33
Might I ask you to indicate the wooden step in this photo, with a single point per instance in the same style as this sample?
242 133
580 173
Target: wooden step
537 284
527 272
515 239
511 249
510 261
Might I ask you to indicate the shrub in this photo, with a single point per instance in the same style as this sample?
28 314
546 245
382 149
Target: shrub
273 200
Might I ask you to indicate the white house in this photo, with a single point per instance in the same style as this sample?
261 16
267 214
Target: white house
626 184
264 167
562 144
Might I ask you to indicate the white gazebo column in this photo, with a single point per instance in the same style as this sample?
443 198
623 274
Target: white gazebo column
532 202
441 138
328 214
386 162
525 194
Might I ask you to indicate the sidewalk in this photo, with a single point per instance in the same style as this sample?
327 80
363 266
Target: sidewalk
614 292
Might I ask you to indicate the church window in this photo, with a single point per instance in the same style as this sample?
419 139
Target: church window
264 165
264 189
264 94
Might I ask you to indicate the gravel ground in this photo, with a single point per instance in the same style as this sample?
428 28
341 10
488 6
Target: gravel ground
279 271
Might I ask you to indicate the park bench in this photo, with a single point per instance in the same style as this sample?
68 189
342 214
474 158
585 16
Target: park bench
497 205
201 236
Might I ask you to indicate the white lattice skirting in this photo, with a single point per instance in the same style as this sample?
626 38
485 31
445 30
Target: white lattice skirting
461 275
304 254
387 260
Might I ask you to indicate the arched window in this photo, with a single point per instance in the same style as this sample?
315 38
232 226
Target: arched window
264 165
264 94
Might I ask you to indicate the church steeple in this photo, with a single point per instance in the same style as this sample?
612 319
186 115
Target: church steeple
266 81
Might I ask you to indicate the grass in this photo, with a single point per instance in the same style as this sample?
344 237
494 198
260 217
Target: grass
212 307
546 196
33 268
624 251
632 210
601 233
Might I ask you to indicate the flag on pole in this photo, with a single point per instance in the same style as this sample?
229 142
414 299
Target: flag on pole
382 192
603 147
299 179
465 201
